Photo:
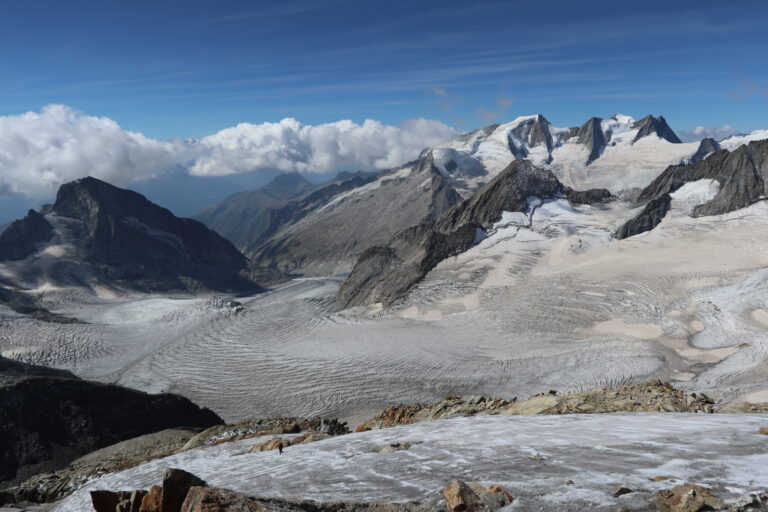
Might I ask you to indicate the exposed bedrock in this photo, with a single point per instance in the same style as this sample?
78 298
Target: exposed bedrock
741 174
385 274
48 419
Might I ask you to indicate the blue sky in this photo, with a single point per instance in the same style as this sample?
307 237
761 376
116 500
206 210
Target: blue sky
187 69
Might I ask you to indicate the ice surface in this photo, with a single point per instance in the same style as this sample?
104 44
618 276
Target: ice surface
592 450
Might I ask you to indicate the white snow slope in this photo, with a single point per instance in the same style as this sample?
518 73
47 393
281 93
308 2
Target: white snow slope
531 456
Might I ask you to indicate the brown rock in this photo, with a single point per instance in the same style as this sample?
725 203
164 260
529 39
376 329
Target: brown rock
621 491
123 506
497 489
662 478
136 499
459 497
176 484
212 499
687 498
104 501
763 431
153 500
266 446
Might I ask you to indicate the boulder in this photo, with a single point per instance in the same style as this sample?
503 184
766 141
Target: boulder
176 484
459 497
153 500
687 498
211 499
763 431
462 497
104 501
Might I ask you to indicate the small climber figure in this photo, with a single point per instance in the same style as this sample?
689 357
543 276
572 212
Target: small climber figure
280 448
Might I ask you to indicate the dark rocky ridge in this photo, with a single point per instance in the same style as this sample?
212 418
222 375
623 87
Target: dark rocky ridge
655 125
49 417
386 273
741 174
653 213
22 237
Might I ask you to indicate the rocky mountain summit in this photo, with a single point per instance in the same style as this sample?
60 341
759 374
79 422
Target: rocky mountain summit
97 231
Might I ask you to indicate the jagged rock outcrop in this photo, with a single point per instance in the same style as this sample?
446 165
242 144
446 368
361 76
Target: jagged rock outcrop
132 242
707 147
47 421
741 174
24 236
655 125
386 273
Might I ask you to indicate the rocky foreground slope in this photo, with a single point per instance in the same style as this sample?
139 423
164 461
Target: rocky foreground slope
50 417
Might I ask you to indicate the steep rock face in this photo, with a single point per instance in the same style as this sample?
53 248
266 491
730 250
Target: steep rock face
138 244
47 421
655 125
331 238
740 173
243 218
649 218
707 147
385 274
22 237
591 135
530 133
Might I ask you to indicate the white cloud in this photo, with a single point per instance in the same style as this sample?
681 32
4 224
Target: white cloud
40 151
292 146
702 132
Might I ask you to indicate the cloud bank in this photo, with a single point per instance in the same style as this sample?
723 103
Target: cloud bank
292 146
40 151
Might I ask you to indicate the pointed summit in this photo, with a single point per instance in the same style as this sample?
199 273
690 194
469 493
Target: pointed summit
287 184
656 125
591 135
